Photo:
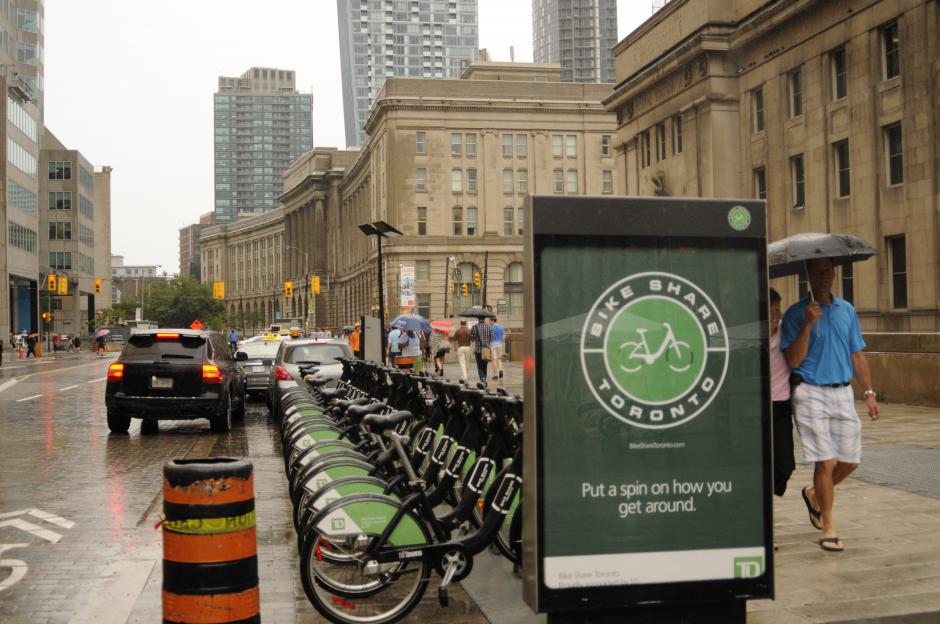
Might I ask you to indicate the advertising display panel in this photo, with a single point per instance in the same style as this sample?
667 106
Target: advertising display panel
647 439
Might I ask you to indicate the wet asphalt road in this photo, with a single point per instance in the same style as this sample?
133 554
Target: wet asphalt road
78 506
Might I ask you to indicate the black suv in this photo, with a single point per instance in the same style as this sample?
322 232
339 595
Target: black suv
174 374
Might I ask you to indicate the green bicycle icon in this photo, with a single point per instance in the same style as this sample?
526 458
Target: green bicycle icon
678 353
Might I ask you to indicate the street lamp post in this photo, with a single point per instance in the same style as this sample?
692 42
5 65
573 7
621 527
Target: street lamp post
380 229
306 266
450 259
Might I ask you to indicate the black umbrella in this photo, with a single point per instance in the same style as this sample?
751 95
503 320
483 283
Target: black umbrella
476 312
789 255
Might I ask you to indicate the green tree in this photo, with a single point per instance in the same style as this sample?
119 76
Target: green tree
180 301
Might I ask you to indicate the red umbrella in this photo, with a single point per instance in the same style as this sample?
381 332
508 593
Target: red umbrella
441 325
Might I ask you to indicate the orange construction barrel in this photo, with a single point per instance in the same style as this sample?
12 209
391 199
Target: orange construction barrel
210 563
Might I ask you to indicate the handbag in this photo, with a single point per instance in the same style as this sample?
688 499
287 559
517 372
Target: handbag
487 354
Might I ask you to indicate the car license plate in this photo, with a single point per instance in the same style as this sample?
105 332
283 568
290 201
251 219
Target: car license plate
257 369
161 382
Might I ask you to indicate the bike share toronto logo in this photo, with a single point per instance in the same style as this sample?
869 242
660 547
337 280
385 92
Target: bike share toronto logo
654 350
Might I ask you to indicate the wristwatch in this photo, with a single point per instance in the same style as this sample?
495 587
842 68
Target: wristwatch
870 393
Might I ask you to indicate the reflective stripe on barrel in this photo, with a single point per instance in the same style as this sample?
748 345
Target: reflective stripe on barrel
210 564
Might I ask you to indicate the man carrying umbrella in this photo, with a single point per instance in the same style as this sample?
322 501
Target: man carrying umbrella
823 344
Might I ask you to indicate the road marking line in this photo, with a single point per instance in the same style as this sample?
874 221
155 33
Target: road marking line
59 370
7 384
51 518
67 388
35 396
92 381
33 529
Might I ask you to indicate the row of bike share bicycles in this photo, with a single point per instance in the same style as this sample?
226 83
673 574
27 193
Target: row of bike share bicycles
395 477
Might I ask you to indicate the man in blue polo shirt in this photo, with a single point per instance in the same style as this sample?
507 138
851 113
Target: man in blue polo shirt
823 345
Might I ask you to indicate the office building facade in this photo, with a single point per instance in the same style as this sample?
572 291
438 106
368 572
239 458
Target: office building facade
189 245
579 35
262 125
403 38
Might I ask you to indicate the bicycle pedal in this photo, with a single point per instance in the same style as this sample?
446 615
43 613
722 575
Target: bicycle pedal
442 597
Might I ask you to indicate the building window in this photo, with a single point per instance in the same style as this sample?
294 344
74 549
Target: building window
892 50
607 181
458 221
605 144
421 180
556 146
848 282
558 181
796 93
520 219
522 146
420 143
422 270
798 179
645 149
897 250
757 109
422 220
470 144
677 134
60 260
507 145
86 207
456 181
571 179
471 221
60 200
22 237
512 287
509 226
522 182
456 147
760 183
843 176
571 146
472 181
894 154
60 230
507 181
660 141
423 301
840 86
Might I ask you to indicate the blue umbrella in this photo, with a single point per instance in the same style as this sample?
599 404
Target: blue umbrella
414 322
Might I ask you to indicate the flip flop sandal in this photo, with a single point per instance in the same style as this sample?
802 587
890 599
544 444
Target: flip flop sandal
831 544
815 517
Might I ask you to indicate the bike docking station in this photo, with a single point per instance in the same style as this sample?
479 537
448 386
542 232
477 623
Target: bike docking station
647 439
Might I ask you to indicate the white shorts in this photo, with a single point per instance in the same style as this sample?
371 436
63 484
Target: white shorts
828 425
496 350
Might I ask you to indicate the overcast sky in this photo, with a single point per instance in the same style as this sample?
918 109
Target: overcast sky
129 83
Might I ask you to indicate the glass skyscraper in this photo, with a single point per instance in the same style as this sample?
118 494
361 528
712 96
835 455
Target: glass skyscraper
579 35
379 39
262 125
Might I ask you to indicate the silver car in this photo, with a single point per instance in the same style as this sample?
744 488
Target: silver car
258 363
310 354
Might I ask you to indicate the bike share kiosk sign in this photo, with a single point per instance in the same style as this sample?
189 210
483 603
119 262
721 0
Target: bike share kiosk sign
647 445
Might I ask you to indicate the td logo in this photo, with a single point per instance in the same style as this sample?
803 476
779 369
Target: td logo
654 350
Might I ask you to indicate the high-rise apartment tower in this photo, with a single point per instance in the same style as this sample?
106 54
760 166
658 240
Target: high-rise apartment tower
262 125
404 38
578 34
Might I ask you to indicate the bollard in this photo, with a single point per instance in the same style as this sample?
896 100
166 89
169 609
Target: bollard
210 563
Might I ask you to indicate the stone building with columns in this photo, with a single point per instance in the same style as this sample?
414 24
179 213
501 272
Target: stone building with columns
827 109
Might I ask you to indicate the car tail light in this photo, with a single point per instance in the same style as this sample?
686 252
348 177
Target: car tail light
282 375
211 373
168 336
116 372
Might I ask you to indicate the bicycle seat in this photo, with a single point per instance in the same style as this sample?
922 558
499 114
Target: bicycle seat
357 412
345 404
380 422
332 393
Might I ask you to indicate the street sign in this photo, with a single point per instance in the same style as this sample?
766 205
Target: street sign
647 442
197 325
407 273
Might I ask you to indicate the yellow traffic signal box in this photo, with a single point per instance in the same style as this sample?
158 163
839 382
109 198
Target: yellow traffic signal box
477 279
288 289
97 285
63 283
315 285
51 282
466 289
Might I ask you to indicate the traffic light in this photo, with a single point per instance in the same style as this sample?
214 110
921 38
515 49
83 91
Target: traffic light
97 285
51 282
477 279
453 287
315 285
466 289
218 290
46 316
288 289
63 285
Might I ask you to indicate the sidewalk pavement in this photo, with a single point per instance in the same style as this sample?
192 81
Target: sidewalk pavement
888 514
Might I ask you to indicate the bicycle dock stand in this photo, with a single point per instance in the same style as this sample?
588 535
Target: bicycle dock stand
715 613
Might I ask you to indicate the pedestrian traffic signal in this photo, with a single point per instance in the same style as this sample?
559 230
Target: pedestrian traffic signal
315 285
288 289
466 289
477 279
97 285
51 282
63 283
